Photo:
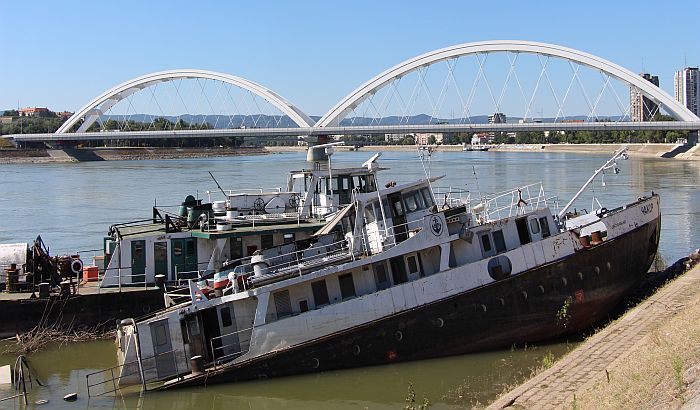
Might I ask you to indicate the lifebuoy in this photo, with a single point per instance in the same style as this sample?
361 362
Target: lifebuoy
76 266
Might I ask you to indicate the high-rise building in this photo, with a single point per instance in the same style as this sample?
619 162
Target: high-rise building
687 88
641 107
497 118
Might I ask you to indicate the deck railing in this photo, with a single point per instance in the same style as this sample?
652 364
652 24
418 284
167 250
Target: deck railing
223 358
110 380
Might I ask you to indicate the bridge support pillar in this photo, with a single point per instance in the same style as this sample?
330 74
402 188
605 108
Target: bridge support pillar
317 155
692 137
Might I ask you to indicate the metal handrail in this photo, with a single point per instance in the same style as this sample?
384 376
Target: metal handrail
218 360
113 379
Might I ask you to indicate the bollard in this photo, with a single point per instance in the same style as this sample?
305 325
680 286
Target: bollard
197 364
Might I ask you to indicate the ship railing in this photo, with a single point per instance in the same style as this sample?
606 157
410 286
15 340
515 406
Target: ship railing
218 355
294 262
108 380
452 196
513 202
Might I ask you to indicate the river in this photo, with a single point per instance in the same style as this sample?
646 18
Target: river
72 206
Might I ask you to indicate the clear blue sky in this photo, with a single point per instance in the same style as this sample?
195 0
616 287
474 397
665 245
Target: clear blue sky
313 53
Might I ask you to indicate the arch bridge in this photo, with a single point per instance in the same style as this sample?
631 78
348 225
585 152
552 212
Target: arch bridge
336 120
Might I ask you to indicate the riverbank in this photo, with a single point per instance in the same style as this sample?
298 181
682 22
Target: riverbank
14 156
649 357
640 150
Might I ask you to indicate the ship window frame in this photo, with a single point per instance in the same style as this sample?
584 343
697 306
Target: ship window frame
534 228
283 300
412 264
499 241
316 291
347 292
485 239
427 197
227 317
370 217
303 305
544 226
267 241
386 283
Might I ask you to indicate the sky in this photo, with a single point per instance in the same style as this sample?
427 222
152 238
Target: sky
313 53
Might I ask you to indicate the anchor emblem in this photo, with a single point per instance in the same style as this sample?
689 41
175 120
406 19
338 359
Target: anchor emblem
436 225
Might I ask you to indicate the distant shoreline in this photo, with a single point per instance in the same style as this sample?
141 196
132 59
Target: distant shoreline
671 151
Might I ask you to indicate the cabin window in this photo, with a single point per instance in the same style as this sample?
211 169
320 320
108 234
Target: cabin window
161 336
369 214
266 241
544 224
320 292
534 226
190 246
499 267
380 276
347 286
225 316
397 206
378 210
411 205
499 241
303 306
523 233
486 247
236 248
412 264
398 270
289 238
428 197
283 306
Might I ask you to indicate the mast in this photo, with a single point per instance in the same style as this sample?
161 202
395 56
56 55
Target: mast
609 164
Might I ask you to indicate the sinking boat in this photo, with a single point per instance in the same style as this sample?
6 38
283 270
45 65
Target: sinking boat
396 276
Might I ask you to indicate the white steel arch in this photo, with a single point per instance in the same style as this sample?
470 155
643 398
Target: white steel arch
352 100
98 106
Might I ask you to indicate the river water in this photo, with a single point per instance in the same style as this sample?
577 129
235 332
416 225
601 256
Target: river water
72 206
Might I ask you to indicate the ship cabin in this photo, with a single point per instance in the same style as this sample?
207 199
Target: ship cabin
202 234
390 250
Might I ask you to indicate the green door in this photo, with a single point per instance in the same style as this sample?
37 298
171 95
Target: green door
160 255
184 259
138 262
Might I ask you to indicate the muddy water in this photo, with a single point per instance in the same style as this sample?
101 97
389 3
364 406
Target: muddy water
455 382
72 205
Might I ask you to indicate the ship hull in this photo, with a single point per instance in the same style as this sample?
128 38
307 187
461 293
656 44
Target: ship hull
552 300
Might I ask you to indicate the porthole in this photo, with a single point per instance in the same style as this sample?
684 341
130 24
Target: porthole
499 267
525 295
541 289
356 350
398 335
608 265
483 308
439 322
564 281
503 302
580 275
596 270
315 363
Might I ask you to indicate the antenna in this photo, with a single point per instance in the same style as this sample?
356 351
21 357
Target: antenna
217 184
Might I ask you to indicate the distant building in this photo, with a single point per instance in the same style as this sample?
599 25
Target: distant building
423 138
687 88
497 118
396 137
641 107
64 115
32 111
482 138
6 120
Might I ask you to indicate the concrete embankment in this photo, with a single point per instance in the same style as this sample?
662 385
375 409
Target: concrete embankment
648 358
7 156
119 154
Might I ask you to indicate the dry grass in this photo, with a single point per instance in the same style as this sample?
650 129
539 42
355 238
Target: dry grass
5 143
42 337
657 373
